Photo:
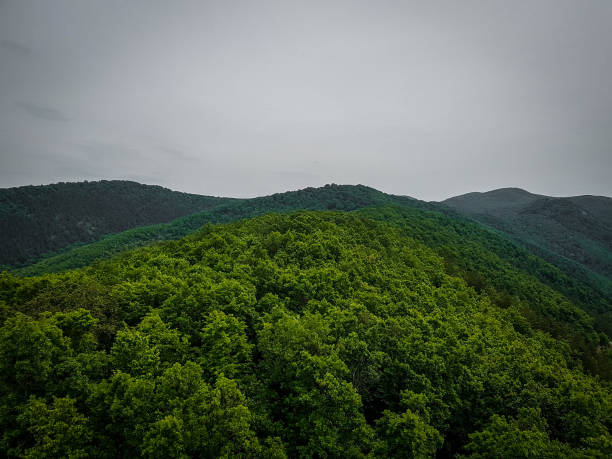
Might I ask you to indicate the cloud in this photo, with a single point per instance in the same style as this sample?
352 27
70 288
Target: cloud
417 98
295 174
39 111
15 48
175 153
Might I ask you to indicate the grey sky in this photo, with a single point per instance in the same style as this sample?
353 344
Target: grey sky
244 98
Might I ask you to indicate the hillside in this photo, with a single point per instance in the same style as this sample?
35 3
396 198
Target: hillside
574 233
496 202
35 220
390 332
440 227
334 197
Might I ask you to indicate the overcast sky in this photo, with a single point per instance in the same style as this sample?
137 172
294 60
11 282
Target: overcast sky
244 98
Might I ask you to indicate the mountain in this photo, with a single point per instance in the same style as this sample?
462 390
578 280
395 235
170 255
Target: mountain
384 332
497 202
371 325
35 220
329 197
575 233
345 198
555 228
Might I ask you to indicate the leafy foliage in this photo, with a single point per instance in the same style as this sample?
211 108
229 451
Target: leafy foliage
314 334
573 233
36 220
337 197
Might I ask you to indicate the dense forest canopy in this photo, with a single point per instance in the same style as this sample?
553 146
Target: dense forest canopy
574 233
35 220
373 325
453 236
393 332
64 226
338 197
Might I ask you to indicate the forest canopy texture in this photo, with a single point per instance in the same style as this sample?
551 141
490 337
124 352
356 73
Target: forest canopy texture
390 332
36 220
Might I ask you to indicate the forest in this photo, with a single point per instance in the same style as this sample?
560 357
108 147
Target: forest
38 220
385 332
574 233
331 196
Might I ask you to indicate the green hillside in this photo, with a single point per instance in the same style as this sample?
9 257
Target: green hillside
573 233
338 197
390 332
440 228
35 220
490 261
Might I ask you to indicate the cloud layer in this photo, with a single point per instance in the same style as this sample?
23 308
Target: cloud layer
428 99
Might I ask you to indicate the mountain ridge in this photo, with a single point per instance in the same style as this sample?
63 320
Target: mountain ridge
39 219
570 232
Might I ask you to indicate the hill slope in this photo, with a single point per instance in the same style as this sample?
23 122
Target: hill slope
35 220
338 197
438 226
314 334
575 233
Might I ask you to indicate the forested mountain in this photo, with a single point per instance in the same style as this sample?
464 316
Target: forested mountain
574 233
386 332
388 327
338 197
35 220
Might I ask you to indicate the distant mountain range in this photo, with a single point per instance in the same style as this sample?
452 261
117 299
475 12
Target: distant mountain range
66 225
574 233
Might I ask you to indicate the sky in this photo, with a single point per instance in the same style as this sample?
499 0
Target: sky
428 99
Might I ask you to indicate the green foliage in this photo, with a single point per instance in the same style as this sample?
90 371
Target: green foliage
37 220
58 430
510 275
225 349
572 233
406 435
339 197
525 437
314 334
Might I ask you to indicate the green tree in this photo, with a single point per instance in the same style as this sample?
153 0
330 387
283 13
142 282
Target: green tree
58 430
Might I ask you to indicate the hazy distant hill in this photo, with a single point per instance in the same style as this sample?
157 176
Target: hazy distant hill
574 232
496 202
38 219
